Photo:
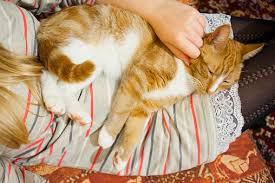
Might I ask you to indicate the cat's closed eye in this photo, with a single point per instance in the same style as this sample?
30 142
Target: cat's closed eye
210 71
226 81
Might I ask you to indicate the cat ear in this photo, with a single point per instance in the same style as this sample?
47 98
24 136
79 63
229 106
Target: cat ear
249 50
220 37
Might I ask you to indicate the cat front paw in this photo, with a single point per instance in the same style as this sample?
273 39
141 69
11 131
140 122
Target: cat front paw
118 161
80 117
53 100
75 111
55 105
105 140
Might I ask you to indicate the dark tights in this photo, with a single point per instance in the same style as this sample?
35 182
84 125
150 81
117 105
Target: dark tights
257 83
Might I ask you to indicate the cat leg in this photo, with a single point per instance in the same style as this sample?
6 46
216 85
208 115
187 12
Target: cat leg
51 95
73 107
138 83
131 137
75 111
122 105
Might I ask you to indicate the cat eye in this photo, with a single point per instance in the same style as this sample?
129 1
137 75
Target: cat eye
226 81
210 71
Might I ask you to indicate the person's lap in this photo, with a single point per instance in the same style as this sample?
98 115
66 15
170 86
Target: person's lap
59 154
256 86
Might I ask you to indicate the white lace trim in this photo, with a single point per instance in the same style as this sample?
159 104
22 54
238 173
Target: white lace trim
227 107
227 104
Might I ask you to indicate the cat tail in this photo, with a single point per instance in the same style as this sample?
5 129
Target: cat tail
66 70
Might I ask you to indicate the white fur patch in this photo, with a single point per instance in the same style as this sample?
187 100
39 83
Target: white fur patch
105 140
128 47
76 113
217 83
51 93
48 82
109 55
72 88
181 85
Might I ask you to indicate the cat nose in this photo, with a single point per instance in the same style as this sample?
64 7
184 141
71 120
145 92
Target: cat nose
209 91
215 84
212 89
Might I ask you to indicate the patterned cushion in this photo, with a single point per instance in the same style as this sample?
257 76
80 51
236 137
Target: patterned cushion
260 9
241 163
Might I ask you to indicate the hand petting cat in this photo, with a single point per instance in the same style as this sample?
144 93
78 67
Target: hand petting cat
179 26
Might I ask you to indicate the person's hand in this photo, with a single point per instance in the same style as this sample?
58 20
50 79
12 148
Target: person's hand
179 26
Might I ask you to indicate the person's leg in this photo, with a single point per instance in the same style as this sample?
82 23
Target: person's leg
248 30
257 83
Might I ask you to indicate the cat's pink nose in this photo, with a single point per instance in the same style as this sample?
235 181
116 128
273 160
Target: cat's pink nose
211 89
210 92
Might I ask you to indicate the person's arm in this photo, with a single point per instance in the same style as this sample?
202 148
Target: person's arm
179 26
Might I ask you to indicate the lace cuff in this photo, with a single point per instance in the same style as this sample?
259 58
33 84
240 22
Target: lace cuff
227 107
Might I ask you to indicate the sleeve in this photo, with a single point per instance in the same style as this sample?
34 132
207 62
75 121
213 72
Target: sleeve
11 173
49 6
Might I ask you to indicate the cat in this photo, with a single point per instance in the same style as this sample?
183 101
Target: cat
79 43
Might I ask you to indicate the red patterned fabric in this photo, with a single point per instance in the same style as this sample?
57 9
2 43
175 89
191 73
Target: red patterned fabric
260 9
265 140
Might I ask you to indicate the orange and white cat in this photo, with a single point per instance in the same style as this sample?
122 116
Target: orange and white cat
79 43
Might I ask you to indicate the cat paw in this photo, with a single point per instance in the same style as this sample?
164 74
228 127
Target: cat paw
80 117
118 163
55 105
105 140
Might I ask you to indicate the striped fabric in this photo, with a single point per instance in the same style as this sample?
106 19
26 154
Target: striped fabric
48 6
176 138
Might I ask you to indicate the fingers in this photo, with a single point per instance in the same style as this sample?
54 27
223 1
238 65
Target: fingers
188 47
199 18
185 38
179 54
202 21
195 39
198 29
191 40
195 31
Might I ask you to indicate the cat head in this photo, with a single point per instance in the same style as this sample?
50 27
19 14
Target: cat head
219 65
